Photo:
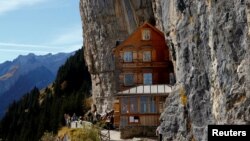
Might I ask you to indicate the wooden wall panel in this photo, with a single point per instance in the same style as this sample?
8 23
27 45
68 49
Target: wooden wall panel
149 120
159 59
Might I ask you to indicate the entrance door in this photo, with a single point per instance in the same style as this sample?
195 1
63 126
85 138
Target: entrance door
116 114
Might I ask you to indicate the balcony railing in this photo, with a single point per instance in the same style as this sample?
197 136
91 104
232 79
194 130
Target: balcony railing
141 63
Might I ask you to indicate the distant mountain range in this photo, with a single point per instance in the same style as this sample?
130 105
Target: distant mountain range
19 76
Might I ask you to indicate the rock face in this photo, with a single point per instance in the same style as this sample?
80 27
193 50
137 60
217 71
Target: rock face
209 42
104 23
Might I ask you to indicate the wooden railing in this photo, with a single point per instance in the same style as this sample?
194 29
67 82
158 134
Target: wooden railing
141 63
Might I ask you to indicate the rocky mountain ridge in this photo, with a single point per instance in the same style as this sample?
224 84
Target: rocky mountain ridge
24 73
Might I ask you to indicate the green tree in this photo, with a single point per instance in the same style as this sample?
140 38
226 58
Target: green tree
28 119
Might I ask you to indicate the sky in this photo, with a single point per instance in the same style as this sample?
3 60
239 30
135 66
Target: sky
39 27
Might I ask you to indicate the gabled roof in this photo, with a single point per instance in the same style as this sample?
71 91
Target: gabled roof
145 24
151 26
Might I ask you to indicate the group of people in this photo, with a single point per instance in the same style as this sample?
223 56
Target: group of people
108 117
68 119
91 116
94 117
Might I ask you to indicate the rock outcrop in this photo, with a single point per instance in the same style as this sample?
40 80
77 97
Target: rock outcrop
104 23
209 43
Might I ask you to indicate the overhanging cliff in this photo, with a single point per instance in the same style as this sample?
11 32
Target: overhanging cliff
104 23
209 39
209 43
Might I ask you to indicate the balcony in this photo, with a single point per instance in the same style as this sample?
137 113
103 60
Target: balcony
139 63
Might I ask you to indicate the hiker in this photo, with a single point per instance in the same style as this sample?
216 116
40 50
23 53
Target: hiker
159 133
74 117
96 117
67 119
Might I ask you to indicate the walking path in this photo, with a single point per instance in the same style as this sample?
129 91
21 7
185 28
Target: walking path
115 136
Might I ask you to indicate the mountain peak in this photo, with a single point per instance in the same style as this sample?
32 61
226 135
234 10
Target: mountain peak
28 70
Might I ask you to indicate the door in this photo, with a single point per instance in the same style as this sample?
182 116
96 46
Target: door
116 113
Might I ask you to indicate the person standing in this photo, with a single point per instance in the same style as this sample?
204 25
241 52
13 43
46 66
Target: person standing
159 133
74 118
65 118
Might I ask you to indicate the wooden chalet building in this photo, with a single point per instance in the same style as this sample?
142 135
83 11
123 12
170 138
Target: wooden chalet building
143 71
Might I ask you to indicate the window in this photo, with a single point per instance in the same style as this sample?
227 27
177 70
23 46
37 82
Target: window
133 119
148 104
128 56
147 78
129 79
152 104
133 105
143 106
124 105
146 34
146 56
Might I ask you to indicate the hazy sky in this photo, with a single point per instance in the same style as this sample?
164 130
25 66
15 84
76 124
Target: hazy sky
39 26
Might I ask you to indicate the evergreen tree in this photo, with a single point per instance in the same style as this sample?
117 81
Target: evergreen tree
28 118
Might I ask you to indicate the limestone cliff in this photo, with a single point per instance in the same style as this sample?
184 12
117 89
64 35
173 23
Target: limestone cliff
104 23
209 44
209 39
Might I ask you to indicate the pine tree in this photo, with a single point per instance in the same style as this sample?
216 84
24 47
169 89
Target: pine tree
28 119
